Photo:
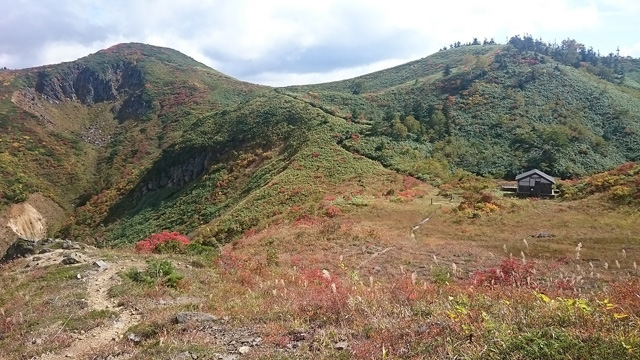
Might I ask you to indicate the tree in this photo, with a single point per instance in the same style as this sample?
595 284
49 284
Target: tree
378 126
438 125
481 66
412 125
355 113
357 87
398 129
447 70
569 52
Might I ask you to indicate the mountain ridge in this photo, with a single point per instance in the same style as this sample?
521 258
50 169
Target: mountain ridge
151 125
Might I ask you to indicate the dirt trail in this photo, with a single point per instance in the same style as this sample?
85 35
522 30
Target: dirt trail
98 285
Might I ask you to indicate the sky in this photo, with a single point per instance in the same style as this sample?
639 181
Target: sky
287 42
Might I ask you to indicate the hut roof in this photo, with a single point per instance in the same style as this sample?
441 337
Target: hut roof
538 172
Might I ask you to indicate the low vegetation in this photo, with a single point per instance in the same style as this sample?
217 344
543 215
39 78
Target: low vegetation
353 219
495 286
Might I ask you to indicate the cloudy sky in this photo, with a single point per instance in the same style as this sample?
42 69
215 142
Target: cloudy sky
284 42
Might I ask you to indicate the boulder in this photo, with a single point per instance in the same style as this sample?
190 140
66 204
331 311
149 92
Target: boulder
542 235
73 258
134 338
70 245
187 317
186 355
101 265
19 249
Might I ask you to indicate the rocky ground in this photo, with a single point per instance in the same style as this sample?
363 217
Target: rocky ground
117 337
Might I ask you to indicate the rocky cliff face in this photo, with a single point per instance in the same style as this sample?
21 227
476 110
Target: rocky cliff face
121 82
88 85
176 175
30 220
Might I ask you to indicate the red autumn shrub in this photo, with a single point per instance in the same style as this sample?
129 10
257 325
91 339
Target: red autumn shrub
163 240
512 272
332 211
410 182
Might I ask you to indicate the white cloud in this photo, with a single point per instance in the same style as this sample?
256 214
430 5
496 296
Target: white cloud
60 51
288 41
287 78
5 59
631 50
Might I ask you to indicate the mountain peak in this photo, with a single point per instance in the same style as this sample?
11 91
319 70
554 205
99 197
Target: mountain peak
134 51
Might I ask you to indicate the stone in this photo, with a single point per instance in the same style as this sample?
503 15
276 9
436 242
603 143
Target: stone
298 335
72 258
70 245
19 249
342 345
244 350
542 235
135 338
82 303
101 265
186 355
228 357
187 317
246 340
44 250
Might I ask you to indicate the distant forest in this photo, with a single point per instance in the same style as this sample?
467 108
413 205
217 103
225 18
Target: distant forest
569 52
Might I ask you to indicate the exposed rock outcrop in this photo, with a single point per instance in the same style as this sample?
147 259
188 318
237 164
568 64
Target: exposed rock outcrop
30 220
27 222
29 101
121 82
176 175
19 249
65 249
88 85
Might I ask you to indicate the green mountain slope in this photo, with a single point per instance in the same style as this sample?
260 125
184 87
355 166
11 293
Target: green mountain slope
73 129
271 159
136 139
497 112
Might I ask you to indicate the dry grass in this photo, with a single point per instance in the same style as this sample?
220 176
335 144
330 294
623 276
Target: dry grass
451 291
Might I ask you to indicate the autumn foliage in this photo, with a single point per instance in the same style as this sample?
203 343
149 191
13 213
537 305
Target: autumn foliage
162 240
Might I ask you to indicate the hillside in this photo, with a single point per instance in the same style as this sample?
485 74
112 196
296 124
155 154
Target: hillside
70 129
129 139
499 110
205 217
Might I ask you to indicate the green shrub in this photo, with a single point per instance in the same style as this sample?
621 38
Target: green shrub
157 271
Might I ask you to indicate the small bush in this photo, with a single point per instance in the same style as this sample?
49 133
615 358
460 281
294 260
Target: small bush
163 242
146 330
332 211
195 248
158 271
440 275
557 344
512 272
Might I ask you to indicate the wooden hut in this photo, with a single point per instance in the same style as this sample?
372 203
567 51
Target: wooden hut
535 183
